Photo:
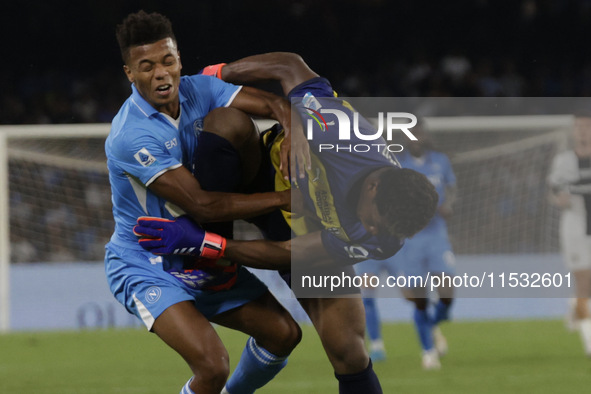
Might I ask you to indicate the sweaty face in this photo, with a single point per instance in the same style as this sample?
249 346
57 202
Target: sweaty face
155 69
367 210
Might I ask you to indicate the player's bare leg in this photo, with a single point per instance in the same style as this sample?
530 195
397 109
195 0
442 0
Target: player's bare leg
582 314
424 327
446 294
267 322
273 335
340 323
377 348
186 330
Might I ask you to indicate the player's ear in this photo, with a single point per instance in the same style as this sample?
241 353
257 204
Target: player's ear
178 54
128 73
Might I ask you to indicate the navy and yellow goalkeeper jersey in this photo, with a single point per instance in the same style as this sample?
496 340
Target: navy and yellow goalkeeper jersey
338 168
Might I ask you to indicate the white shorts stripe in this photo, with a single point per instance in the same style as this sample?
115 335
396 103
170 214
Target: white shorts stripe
145 314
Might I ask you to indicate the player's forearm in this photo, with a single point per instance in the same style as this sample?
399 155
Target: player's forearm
264 104
180 188
446 207
287 68
561 199
221 207
308 251
260 254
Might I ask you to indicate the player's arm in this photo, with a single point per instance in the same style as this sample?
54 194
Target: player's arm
183 236
446 207
265 104
450 188
560 198
558 182
303 251
289 69
179 187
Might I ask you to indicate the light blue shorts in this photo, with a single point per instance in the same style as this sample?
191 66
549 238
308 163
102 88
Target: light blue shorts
425 253
376 267
137 280
429 252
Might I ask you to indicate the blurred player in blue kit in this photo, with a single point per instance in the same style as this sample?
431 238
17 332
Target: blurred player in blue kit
348 206
164 138
429 251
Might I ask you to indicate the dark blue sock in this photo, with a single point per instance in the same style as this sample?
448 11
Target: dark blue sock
372 319
365 382
424 328
441 312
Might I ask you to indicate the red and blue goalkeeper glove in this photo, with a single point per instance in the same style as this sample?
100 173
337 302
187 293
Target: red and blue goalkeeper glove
181 237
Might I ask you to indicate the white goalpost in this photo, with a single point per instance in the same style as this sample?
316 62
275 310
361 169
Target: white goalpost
55 196
11 150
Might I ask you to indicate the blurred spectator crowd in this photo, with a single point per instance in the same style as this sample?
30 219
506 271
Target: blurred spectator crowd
366 48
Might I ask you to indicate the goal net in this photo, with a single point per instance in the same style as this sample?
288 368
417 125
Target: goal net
56 204
501 165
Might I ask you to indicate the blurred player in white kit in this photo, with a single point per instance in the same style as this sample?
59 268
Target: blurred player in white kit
570 182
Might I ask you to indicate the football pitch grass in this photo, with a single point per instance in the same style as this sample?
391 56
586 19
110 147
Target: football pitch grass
484 357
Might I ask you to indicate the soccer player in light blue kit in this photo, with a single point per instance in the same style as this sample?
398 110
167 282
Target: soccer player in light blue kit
367 205
427 251
156 146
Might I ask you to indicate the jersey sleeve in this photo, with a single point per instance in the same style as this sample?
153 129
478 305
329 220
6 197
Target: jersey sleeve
222 93
209 92
143 157
563 171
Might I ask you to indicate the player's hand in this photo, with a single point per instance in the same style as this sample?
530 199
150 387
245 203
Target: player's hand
181 236
561 199
208 274
295 153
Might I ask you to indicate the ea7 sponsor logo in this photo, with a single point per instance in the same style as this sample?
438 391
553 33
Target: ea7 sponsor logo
171 144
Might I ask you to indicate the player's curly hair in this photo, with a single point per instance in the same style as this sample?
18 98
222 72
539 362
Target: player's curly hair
407 199
141 28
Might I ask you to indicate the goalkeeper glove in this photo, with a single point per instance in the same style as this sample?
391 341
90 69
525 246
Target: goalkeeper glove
181 237
214 70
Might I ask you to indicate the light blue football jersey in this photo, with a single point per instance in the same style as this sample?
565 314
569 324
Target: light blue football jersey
143 144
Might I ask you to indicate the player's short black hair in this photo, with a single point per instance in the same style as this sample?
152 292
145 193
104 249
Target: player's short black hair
141 28
407 200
